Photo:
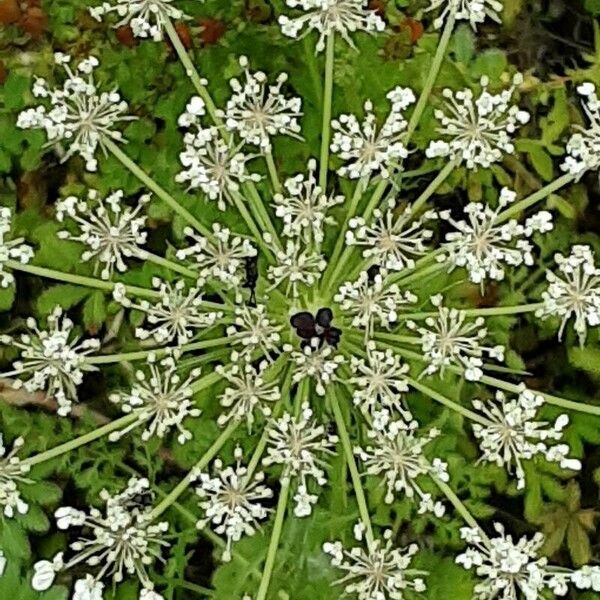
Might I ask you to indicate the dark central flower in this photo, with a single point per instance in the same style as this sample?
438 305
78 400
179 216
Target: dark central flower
320 327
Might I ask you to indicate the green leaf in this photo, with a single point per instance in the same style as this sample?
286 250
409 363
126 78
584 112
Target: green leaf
64 295
94 311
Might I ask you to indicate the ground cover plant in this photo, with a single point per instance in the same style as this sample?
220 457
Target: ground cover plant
300 299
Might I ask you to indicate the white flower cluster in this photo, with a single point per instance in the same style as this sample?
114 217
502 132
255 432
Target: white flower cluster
223 257
367 149
513 434
296 266
257 111
248 390
254 330
330 16
397 451
211 163
160 399
304 205
10 249
230 501
379 381
484 246
480 130
81 116
379 572
12 475
297 443
178 315
393 242
319 362
449 339
474 11
509 570
120 541
53 359
146 18
573 291
372 301
583 148
111 231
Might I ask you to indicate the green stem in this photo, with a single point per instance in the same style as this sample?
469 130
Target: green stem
327 101
192 73
469 414
432 75
495 311
154 187
260 210
399 339
273 172
524 204
82 440
90 282
107 359
169 264
274 542
434 185
239 204
180 488
354 474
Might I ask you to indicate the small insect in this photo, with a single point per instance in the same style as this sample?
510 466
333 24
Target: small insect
309 327
372 272
251 266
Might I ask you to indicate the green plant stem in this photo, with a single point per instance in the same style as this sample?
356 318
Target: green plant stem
432 75
90 282
354 474
274 542
461 509
524 204
465 412
239 204
107 359
192 73
434 185
399 339
169 264
327 101
154 187
495 311
273 172
180 488
259 209
81 440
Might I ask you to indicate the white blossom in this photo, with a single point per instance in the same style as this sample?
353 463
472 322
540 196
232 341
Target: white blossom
210 163
508 570
479 131
160 398
396 451
474 11
485 246
573 291
222 257
12 475
231 501
10 249
2 563
147 18
81 116
248 390
121 541
254 330
303 206
88 589
513 434
178 315
372 302
296 266
583 147
327 17
393 242
110 231
367 149
450 339
379 381
380 572
54 359
298 443
587 578
257 111
319 362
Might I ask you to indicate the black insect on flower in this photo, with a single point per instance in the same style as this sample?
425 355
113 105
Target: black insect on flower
251 266
372 272
309 327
